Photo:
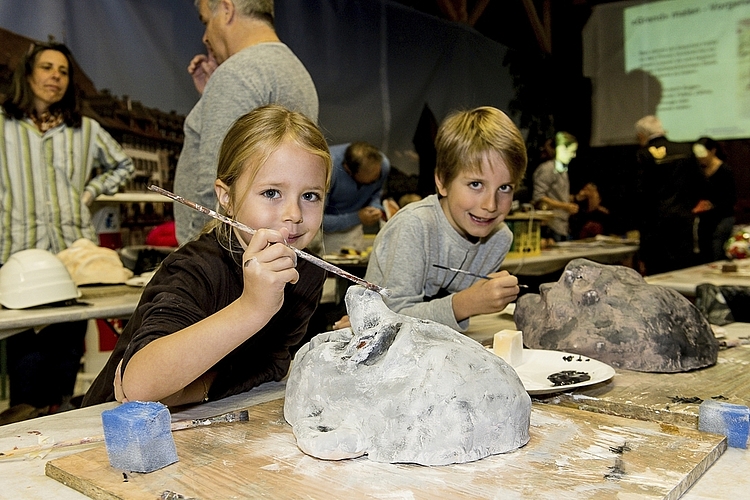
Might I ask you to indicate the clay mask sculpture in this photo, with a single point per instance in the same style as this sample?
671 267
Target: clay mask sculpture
400 389
611 314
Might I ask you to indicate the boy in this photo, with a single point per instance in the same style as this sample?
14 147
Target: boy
481 157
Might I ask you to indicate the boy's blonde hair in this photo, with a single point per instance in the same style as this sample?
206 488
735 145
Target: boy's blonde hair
465 137
253 137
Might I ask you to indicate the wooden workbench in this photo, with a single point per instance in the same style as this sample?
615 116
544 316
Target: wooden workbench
555 258
24 476
686 280
572 454
659 397
672 398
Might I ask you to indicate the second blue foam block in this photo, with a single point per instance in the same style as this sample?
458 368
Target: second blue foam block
730 420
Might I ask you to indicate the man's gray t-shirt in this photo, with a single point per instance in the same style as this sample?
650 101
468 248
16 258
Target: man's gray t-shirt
548 181
266 73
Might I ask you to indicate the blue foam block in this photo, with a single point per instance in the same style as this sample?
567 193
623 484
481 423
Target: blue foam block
138 437
732 421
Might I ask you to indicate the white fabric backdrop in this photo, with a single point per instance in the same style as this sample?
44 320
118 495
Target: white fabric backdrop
375 63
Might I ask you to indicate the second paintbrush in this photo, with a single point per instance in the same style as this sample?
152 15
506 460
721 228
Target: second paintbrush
469 273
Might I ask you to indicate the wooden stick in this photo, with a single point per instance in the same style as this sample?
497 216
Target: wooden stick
300 253
234 416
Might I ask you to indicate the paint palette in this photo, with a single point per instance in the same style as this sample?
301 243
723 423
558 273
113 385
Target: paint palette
539 365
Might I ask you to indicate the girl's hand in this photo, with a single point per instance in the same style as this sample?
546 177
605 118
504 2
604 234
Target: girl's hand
486 296
267 266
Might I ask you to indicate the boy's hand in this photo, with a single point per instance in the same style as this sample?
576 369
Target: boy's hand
486 296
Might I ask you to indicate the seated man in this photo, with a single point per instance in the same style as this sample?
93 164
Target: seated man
354 199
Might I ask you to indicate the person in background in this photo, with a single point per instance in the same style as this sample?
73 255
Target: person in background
221 313
201 67
592 217
48 154
481 157
716 223
552 187
250 68
355 199
670 189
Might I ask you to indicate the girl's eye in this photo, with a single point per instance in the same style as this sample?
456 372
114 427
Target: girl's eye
311 196
506 188
475 184
271 193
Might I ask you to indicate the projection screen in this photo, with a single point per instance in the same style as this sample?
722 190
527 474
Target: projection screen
687 61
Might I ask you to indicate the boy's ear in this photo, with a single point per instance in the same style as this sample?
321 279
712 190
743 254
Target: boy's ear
440 187
222 194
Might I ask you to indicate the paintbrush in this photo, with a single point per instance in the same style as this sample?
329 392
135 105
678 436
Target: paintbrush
483 276
234 416
300 253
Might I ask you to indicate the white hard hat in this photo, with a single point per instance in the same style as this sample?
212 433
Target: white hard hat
34 277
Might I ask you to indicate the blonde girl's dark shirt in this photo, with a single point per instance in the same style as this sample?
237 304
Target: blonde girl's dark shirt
194 282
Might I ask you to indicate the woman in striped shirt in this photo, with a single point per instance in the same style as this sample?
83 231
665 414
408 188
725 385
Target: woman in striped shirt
49 154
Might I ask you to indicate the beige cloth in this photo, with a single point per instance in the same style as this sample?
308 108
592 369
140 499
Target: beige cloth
89 264
353 238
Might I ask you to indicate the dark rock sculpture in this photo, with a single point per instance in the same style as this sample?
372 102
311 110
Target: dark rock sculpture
611 314
400 389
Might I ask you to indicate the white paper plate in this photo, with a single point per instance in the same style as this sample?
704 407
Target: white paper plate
538 364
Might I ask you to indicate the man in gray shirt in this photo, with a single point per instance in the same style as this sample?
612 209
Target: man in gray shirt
552 187
254 69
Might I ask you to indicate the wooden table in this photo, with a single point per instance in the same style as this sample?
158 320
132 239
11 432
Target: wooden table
567 457
107 301
686 280
280 463
570 456
586 427
557 257
671 398
662 397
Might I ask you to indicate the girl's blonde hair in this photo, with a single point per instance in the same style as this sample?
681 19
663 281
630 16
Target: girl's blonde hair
251 139
465 137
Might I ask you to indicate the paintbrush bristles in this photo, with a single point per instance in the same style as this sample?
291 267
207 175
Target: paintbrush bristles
237 416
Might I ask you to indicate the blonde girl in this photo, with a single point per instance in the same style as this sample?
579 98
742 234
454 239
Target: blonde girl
222 312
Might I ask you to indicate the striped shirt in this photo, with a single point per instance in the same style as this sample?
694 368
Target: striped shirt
43 177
